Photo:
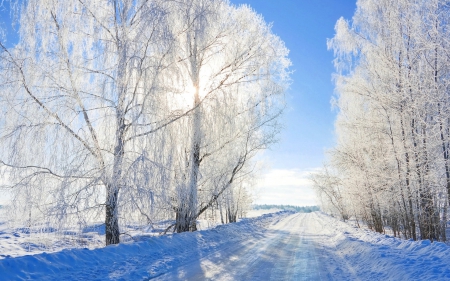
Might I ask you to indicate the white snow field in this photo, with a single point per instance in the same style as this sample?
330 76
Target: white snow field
281 246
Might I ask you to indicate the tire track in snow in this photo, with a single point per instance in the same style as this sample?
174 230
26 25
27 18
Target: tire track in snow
283 254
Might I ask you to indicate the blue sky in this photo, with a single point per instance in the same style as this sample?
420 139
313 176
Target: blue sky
304 26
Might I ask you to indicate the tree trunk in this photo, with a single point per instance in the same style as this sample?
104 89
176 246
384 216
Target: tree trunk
221 214
185 221
444 224
410 220
111 220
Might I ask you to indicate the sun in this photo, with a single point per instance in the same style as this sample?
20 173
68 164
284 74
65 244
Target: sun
191 90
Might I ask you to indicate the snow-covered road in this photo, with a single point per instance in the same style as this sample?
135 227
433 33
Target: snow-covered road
283 252
280 246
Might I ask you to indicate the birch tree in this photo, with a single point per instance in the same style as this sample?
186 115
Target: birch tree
81 92
237 70
136 110
392 84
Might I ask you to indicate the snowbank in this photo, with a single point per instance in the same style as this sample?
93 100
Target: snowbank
350 253
133 261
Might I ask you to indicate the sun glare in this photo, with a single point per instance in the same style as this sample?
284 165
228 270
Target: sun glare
190 90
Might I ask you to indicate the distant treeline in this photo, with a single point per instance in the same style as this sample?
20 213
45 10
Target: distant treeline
305 209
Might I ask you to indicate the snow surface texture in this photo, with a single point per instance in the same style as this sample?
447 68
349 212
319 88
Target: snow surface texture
282 246
15 242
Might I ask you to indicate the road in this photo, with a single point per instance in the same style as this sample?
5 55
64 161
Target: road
286 251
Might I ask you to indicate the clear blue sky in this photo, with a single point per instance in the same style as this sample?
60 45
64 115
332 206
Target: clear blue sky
304 26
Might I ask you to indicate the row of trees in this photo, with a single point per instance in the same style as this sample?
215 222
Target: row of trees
390 167
136 110
303 209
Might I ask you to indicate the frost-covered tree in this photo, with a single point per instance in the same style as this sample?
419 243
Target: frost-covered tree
135 110
328 190
236 70
392 85
81 91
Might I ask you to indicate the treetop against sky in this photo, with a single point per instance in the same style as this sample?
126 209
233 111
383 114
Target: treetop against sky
304 26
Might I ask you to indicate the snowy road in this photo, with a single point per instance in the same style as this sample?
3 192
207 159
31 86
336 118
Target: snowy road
280 246
284 252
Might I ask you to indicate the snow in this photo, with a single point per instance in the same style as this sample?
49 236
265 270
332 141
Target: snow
277 246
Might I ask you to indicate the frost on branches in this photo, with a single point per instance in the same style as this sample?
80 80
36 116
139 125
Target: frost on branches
390 167
133 112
